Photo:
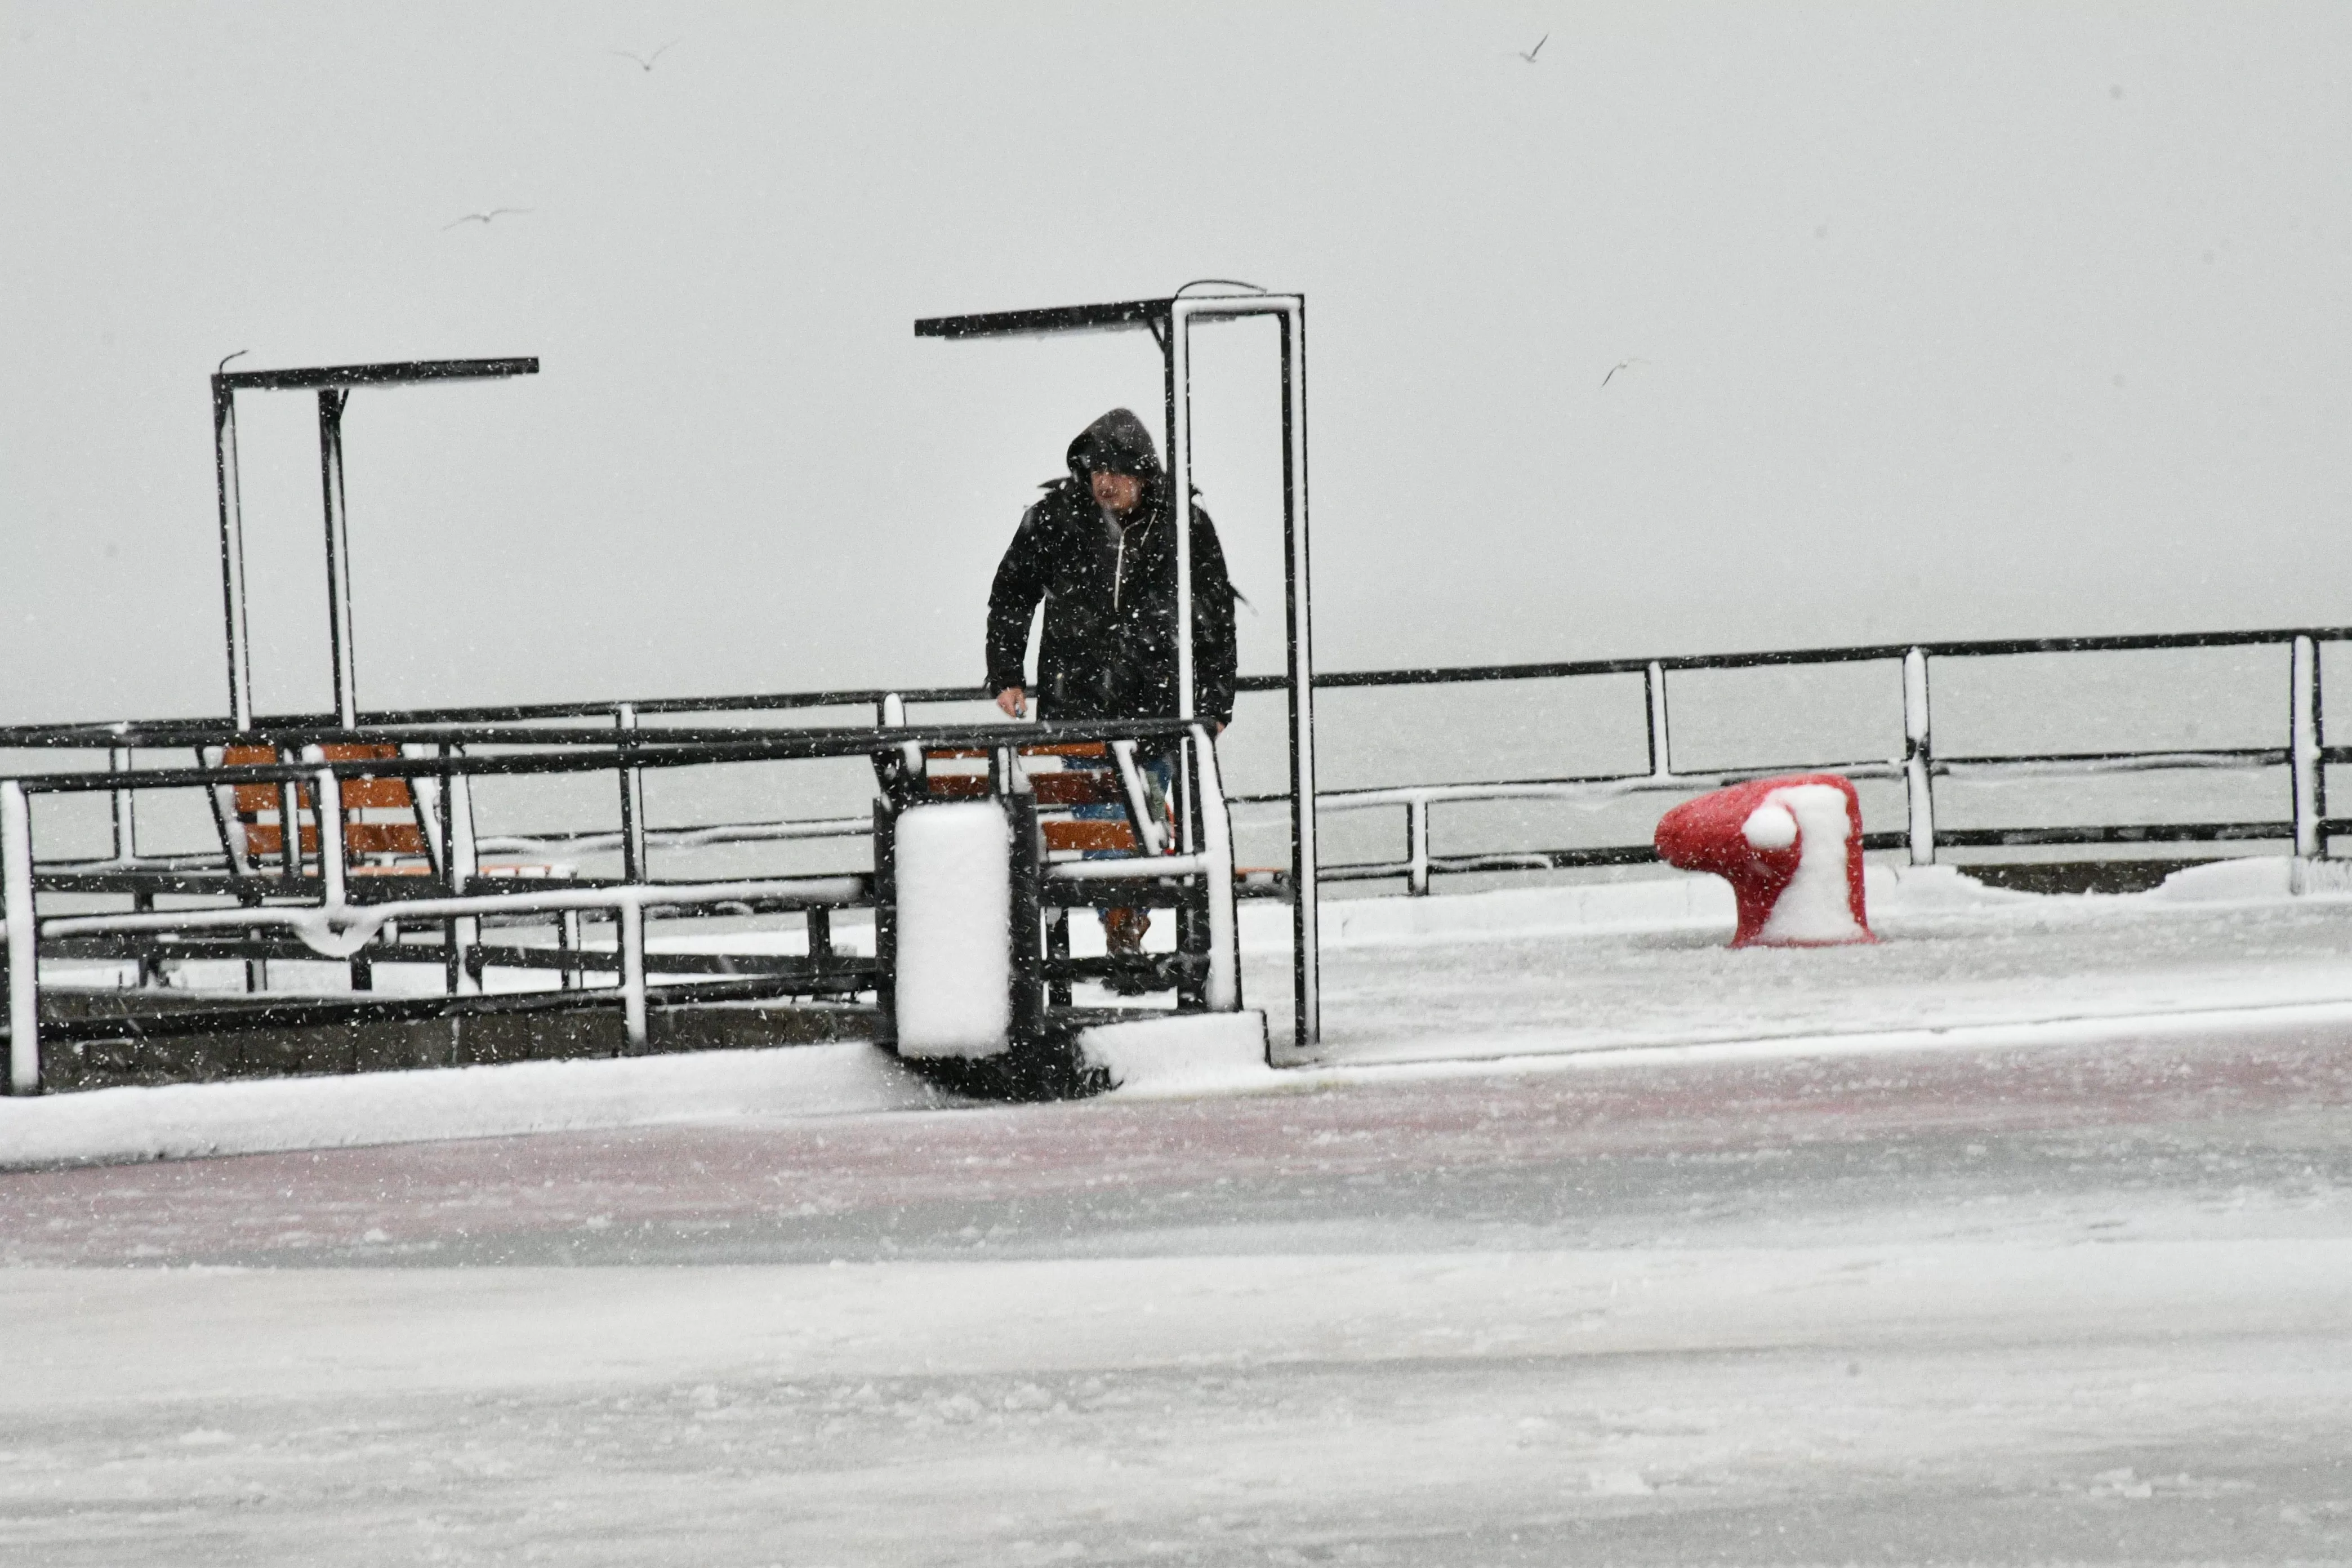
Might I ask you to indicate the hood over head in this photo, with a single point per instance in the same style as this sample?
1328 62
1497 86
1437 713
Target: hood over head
1118 443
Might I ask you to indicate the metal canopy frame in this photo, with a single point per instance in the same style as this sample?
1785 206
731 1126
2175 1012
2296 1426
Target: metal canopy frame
1170 321
333 384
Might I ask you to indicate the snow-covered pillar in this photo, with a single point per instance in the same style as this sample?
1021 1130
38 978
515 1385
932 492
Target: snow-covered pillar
2304 749
1918 781
24 940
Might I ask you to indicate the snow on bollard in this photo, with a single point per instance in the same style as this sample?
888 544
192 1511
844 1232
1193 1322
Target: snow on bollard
1791 849
953 990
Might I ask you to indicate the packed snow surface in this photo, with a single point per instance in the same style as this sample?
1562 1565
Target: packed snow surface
2025 1236
2058 1304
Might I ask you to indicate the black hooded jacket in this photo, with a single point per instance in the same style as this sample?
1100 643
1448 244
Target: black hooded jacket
1109 645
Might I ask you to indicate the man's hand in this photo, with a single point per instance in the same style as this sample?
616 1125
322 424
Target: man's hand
1014 701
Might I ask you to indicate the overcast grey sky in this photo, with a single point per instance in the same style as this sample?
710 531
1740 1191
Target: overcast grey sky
1943 321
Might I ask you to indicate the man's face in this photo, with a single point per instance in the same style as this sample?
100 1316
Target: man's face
1118 493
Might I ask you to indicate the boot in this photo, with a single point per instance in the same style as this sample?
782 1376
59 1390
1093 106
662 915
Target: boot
1123 935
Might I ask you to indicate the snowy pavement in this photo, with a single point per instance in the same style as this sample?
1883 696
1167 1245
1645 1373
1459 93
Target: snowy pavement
2077 1303
1646 963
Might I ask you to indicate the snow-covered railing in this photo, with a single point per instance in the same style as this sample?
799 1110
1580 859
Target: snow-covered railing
309 898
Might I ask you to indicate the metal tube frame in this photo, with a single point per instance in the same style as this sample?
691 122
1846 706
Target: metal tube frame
332 383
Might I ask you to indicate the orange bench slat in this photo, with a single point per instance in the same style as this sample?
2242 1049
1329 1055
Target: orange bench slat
1068 836
1087 787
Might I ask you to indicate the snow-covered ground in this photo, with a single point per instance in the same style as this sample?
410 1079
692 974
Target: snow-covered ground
1881 1291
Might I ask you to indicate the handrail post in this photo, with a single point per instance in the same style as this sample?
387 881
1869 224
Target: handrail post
2306 739
1416 847
24 940
465 864
125 807
1919 755
630 916
633 800
1654 691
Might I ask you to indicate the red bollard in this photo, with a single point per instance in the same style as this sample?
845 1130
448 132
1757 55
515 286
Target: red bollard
1791 849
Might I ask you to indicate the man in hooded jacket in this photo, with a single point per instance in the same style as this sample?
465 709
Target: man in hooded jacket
1100 549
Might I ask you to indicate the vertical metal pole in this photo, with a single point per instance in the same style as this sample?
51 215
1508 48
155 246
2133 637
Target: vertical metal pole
232 529
1024 1015
1222 992
1180 474
1416 847
1653 689
126 806
633 801
339 554
24 940
1306 975
289 822
1919 756
465 864
567 941
2305 740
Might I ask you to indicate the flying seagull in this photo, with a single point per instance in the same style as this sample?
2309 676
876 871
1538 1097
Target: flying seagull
645 62
1621 364
1529 55
481 217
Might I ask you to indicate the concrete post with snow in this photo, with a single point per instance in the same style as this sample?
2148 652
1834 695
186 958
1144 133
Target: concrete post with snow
1791 849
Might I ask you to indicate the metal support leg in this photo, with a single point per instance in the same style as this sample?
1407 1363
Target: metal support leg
819 924
567 941
1058 952
1027 1016
1416 847
1918 759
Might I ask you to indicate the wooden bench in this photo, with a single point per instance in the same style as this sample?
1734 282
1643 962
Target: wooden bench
1061 779
386 831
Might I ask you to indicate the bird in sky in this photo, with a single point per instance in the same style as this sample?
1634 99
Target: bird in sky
1621 364
482 218
645 62
1529 55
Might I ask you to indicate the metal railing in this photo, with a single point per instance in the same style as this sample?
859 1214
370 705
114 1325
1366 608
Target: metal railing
291 909
1915 761
312 894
